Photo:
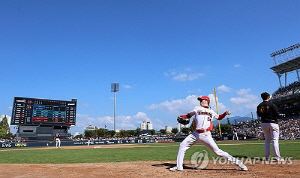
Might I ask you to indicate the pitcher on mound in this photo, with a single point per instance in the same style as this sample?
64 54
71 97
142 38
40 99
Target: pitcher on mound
202 133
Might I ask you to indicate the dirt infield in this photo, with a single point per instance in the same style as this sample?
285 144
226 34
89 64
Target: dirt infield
143 169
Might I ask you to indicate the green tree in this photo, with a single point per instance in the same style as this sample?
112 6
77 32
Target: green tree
228 122
122 133
101 132
9 135
152 132
174 130
2 132
138 131
163 131
4 124
79 136
185 130
88 133
112 133
131 132
225 128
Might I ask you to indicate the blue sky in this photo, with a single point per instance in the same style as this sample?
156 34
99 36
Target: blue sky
163 53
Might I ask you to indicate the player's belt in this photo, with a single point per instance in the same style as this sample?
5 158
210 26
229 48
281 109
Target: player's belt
202 131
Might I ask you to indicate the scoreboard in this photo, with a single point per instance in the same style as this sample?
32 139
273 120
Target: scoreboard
33 111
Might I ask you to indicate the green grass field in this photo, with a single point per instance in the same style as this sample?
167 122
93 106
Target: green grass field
166 152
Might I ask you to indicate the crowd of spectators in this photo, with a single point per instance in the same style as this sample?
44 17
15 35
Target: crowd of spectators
250 129
288 90
289 129
156 137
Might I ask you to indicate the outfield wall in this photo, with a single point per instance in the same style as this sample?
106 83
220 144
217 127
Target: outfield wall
85 142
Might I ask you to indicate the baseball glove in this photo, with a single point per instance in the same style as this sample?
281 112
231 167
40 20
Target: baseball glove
183 119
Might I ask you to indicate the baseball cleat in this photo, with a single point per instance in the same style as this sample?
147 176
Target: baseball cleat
175 169
243 167
278 159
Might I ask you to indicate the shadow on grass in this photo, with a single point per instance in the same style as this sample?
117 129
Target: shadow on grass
190 167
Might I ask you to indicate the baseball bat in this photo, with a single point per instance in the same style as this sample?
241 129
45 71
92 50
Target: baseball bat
216 100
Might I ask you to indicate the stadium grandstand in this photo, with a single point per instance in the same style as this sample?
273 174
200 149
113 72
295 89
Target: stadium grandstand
286 98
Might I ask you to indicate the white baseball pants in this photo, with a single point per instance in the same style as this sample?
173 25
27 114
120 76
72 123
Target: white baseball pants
57 143
235 135
208 141
271 131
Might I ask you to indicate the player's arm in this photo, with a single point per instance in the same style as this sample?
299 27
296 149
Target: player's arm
188 115
258 111
222 116
276 110
185 119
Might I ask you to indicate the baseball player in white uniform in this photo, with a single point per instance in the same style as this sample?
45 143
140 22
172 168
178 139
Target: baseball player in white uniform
57 139
234 131
203 125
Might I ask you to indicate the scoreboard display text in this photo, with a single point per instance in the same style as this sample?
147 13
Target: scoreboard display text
33 111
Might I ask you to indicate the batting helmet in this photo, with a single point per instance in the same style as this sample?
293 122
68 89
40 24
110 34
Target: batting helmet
204 98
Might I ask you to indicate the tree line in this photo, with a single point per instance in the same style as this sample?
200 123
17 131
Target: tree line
4 129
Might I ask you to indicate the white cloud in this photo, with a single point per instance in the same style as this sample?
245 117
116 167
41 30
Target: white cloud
245 100
10 108
140 115
127 86
195 76
185 75
180 77
182 106
243 92
237 65
224 88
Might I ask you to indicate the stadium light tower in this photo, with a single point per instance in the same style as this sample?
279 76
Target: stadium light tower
287 60
115 89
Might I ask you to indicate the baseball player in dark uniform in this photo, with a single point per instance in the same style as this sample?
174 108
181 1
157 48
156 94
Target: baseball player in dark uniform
269 114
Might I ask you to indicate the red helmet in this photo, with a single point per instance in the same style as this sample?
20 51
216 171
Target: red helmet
204 98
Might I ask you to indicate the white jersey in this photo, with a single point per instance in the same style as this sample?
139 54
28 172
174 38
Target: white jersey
203 117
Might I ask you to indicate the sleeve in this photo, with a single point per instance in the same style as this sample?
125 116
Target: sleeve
191 113
222 116
215 116
258 111
276 111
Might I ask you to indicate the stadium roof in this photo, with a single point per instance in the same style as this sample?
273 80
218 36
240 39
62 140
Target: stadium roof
288 66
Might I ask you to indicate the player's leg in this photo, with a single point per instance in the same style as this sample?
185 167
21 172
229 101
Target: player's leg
208 141
275 138
56 143
266 129
184 145
237 138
